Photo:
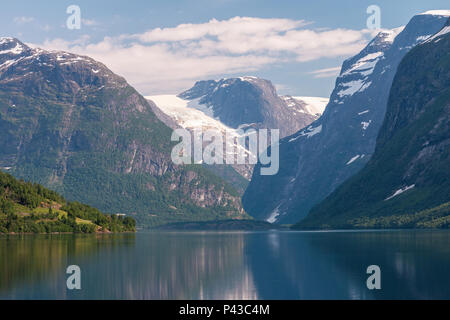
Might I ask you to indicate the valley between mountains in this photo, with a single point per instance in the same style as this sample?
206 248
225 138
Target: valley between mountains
375 154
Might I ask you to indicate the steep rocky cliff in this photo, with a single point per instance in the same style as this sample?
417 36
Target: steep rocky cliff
406 184
71 124
316 160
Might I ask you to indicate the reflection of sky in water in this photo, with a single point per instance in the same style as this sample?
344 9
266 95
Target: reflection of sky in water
228 265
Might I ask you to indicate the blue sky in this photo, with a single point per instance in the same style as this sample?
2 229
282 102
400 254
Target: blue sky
298 45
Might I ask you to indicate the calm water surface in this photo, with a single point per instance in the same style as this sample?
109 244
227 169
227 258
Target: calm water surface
227 265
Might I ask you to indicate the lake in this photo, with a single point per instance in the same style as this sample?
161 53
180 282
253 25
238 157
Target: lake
227 265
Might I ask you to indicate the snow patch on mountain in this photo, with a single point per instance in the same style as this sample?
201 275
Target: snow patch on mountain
423 38
273 215
351 87
18 49
314 105
307 105
391 34
363 112
308 132
188 114
444 30
247 78
365 65
365 124
400 191
7 63
355 78
4 40
445 13
353 159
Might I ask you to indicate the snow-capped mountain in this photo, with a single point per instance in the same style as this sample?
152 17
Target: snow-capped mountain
317 159
253 102
406 183
211 105
189 114
71 124
27 63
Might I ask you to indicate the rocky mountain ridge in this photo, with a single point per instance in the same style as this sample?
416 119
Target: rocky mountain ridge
316 160
406 184
71 124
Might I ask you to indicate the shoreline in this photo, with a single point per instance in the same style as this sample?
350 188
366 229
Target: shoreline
58 233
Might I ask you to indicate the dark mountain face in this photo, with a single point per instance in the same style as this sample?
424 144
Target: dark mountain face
250 102
237 103
316 160
71 124
407 181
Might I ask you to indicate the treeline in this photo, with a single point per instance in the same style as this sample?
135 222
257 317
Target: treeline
112 223
31 208
47 223
25 193
54 223
433 218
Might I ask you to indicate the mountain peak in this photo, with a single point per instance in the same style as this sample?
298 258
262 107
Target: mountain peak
251 101
383 40
208 87
21 64
250 78
242 78
445 13
4 40
12 46
389 35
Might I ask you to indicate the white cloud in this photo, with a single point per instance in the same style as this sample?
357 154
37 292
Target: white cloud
237 26
23 20
89 22
46 28
169 60
326 73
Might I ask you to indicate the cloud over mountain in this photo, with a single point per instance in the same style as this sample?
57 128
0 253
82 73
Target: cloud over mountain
179 55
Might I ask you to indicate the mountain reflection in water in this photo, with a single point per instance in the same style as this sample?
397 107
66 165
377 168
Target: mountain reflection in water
227 265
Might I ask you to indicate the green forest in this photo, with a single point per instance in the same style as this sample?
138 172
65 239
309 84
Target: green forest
30 208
